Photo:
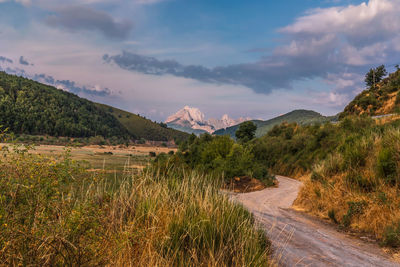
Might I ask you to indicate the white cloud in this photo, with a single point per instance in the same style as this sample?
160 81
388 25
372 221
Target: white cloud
362 34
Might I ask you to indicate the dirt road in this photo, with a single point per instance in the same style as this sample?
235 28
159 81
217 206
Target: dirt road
299 240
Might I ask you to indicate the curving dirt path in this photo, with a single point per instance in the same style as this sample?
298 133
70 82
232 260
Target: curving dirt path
299 240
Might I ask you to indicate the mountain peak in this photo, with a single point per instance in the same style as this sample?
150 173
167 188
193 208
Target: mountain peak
187 114
191 119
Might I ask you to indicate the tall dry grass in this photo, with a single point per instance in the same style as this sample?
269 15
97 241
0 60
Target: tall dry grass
358 187
55 213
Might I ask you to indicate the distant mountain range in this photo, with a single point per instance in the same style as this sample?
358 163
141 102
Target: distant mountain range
300 116
191 120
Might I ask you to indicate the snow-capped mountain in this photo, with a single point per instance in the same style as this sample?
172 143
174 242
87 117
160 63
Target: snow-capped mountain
192 120
226 122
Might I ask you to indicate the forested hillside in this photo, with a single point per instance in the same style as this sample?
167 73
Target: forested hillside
29 107
302 117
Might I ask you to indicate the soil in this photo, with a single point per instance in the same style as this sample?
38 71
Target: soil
244 184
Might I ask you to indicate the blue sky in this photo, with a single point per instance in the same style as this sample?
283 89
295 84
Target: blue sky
243 58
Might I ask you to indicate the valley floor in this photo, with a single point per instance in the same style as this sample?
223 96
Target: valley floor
299 240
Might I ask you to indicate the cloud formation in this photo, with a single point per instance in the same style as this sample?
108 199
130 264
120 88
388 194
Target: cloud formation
5 60
77 18
261 77
23 61
341 42
66 85
71 86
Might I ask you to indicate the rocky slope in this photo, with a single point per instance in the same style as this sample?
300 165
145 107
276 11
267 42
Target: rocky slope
382 99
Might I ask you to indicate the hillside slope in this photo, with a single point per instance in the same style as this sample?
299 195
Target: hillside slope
143 128
382 99
302 117
29 107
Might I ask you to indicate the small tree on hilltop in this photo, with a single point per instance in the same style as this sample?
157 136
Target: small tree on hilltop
375 75
246 131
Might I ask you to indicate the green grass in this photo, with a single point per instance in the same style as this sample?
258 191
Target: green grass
141 127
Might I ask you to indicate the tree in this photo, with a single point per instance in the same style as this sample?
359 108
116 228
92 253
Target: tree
375 75
164 125
397 67
246 131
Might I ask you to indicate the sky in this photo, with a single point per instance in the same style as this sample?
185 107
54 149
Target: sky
255 59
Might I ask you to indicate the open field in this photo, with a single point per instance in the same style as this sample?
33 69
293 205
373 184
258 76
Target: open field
107 158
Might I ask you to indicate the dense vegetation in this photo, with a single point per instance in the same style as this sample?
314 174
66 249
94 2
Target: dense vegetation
218 156
291 149
53 213
381 98
143 128
301 117
29 107
358 185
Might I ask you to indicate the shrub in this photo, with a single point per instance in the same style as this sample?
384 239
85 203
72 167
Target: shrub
355 208
152 154
356 181
355 152
391 236
221 155
386 166
332 215
141 141
97 140
316 177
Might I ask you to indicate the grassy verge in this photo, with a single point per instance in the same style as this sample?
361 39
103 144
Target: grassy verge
56 213
358 185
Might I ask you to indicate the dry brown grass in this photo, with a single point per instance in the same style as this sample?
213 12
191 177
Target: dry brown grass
54 213
328 189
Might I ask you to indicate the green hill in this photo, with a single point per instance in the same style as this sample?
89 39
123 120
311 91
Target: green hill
302 117
142 127
29 107
384 98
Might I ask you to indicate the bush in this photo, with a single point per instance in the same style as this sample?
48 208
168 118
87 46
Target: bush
355 208
97 140
141 141
356 181
391 236
355 152
386 166
316 177
332 215
221 155
152 154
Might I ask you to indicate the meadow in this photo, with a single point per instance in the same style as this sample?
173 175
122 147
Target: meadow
53 211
